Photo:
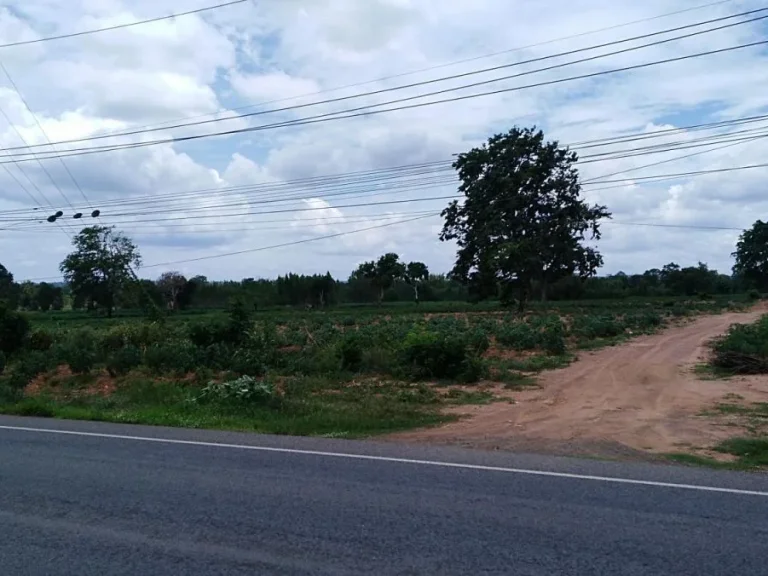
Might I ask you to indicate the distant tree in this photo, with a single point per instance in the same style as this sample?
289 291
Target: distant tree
523 219
381 273
8 289
46 296
416 273
323 289
171 285
752 256
28 296
100 266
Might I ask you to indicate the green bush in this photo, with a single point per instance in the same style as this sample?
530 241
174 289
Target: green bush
123 360
14 328
172 357
29 366
41 340
2 362
78 350
247 362
426 354
206 334
552 337
743 349
753 295
350 352
217 356
241 391
518 336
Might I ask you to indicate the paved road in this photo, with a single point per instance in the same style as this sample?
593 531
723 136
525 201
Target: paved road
74 504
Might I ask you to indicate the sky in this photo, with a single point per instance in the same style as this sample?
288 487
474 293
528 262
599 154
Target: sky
221 206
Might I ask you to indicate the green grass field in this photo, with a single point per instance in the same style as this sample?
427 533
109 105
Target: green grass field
344 372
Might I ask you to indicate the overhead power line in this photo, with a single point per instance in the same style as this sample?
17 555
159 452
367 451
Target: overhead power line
342 115
294 243
120 26
438 66
458 76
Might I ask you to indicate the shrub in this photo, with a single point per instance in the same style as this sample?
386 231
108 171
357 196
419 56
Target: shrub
174 356
428 354
2 362
217 356
518 336
753 295
245 389
123 360
743 349
29 366
41 340
350 352
78 351
206 334
553 337
14 328
247 361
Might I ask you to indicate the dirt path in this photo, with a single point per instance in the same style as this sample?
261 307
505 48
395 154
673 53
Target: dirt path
639 396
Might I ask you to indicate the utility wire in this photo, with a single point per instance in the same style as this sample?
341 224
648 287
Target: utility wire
294 243
463 75
383 175
439 66
324 117
120 26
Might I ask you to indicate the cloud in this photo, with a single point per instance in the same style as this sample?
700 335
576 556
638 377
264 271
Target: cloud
243 192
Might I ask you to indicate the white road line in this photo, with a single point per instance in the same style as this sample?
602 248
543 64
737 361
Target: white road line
438 463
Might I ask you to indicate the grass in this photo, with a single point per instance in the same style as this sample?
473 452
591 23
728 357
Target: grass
307 407
343 372
751 452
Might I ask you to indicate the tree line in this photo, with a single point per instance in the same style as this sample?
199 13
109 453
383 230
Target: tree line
521 232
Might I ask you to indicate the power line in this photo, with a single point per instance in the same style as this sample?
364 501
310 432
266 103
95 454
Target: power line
445 65
304 209
323 117
462 75
682 226
120 26
286 244
295 224
382 175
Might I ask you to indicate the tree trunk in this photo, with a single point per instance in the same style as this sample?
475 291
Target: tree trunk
416 293
381 295
544 289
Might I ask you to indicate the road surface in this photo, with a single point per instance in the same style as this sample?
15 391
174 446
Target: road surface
104 499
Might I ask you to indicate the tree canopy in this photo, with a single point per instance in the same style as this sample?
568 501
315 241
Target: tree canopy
7 286
382 273
99 268
752 256
522 220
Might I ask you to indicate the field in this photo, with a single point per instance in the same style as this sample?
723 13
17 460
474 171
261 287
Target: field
345 372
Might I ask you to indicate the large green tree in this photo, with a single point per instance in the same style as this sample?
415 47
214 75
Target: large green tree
99 268
381 273
523 220
752 256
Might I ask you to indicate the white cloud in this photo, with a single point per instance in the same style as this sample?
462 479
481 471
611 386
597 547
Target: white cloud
257 52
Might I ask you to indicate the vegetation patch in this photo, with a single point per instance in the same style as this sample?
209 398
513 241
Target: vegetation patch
743 349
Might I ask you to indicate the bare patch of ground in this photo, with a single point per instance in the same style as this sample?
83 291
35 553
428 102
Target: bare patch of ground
640 398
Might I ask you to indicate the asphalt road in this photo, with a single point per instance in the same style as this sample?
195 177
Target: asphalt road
74 504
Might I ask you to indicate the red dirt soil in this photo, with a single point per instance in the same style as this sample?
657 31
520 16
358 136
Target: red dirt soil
635 398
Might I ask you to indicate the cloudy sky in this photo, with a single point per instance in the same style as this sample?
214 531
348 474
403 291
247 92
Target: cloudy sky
210 197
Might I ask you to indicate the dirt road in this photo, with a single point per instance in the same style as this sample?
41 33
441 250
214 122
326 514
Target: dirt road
639 396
